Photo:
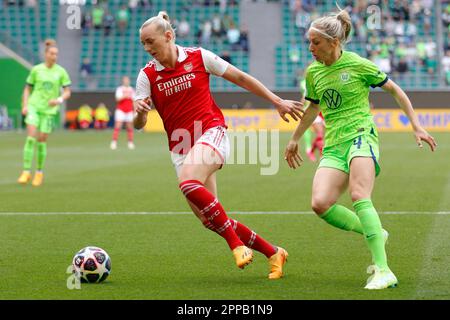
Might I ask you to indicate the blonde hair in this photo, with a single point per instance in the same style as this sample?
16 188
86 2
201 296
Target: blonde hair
163 23
334 26
49 43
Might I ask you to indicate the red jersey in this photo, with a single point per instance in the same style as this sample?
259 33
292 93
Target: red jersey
182 95
124 98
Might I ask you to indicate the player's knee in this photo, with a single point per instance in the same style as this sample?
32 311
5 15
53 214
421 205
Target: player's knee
319 205
358 194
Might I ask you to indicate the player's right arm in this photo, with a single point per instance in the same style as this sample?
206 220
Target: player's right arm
142 107
142 102
25 96
30 82
291 154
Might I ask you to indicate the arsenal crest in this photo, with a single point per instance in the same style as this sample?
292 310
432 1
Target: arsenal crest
188 67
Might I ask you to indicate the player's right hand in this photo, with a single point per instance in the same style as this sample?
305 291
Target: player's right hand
24 111
293 108
144 105
292 156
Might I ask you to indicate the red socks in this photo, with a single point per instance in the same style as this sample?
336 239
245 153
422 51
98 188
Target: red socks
211 208
130 134
116 134
249 238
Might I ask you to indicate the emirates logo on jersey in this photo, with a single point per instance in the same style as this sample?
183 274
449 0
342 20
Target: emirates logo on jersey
188 67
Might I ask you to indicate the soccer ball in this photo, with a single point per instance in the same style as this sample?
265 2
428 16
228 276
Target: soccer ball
91 265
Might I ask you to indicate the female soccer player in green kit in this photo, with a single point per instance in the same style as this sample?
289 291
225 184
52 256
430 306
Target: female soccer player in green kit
40 107
338 84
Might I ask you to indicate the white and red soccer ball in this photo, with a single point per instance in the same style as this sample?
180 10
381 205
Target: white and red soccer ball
91 264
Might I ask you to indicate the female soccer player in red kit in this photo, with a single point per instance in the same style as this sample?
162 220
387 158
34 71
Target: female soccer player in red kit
124 112
176 83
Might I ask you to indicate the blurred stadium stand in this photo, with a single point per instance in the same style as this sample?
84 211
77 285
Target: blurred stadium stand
418 32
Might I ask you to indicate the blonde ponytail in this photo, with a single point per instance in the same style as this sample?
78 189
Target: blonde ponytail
49 43
334 26
163 22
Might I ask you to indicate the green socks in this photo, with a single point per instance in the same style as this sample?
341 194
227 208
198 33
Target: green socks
372 230
342 218
28 153
41 155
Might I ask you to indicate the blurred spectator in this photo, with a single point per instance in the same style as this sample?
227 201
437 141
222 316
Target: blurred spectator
302 20
401 68
222 6
233 35
446 16
226 56
86 23
389 26
97 16
410 31
227 21
86 68
31 3
84 117
446 61
243 38
101 116
446 66
108 22
294 53
384 63
206 31
183 28
217 27
430 48
122 18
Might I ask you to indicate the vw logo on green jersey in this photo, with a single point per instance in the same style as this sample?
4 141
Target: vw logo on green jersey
345 76
47 85
332 98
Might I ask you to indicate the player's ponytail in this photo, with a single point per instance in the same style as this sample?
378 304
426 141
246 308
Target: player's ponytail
334 26
49 43
164 15
346 22
163 22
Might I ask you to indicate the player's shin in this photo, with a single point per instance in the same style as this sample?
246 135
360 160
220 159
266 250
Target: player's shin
342 218
28 153
373 231
41 155
211 208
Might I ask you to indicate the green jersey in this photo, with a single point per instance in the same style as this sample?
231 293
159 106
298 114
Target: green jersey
342 92
46 83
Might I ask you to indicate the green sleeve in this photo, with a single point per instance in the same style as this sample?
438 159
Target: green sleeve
372 75
310 93
31 79
65 79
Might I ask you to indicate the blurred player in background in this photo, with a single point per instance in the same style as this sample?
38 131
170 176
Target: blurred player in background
124 113
176 82
318 127
41 100
337 84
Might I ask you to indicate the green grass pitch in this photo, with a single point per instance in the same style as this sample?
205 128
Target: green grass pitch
171 256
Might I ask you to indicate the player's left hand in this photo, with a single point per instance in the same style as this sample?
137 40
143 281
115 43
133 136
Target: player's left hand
292 156
294 108
422 135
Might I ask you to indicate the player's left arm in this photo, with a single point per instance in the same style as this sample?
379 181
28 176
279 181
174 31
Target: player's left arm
63 97
246 81
405 104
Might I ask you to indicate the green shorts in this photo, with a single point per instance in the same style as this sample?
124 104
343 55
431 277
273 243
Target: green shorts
339 156
43 122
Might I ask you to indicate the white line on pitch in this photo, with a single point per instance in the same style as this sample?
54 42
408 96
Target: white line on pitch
188 213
